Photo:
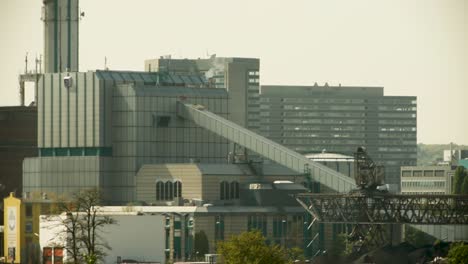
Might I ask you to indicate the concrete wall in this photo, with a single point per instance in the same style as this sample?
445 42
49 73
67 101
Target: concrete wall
56 175
71 117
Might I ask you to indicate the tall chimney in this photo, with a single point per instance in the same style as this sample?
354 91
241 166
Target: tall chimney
61 19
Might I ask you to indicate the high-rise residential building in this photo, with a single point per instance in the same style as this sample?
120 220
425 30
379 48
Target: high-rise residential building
338 119
239 76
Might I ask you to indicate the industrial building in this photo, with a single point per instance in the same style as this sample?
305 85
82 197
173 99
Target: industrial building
18 140
310 119
239 76
181 136
101 129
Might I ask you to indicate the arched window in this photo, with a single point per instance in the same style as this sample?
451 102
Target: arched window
177 189
229 191
159 191
168 191
224 190
234 190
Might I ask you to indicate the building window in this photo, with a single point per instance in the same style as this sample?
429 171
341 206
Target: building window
219 227
159 191
229 191
406 174
29 210
428 173
29 227
166 191
161 121
234 190
177 189
257 222
280 226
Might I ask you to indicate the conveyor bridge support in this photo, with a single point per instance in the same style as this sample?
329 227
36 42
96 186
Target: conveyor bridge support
265 147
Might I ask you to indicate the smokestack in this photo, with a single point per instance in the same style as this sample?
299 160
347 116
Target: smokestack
61 19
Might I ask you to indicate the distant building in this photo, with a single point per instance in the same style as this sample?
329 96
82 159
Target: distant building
338 162
452 156
239 76
339 119
427 179
18 140
464 163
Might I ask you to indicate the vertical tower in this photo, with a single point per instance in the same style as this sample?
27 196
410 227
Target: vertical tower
61 18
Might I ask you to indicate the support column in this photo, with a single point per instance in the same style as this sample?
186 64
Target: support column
183 220
171 239
21 83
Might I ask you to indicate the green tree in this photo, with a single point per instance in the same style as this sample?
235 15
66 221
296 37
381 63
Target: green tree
458 181
250 248
458 254
295 253
464 186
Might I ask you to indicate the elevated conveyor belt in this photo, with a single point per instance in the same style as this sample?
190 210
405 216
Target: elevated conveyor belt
265 147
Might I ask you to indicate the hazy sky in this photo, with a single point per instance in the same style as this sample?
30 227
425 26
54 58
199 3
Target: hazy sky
411 47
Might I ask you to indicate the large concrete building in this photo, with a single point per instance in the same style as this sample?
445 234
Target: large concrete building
99 130
338 119
239 76
310 119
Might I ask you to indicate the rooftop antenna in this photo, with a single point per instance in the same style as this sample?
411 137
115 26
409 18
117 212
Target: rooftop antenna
26 63
40 63
36 61
105 63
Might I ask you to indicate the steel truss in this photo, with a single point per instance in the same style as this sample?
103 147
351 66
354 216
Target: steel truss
364 208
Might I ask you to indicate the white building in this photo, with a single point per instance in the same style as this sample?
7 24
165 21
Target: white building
426 179
136 237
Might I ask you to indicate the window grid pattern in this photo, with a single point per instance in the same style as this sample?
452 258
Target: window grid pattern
310 119
167 191
257 222
229 190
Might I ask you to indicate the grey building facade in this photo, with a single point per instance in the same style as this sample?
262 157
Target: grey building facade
310 119
427 179
102 128
239 76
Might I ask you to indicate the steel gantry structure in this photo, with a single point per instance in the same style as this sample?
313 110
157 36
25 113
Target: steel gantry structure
360 203
365 208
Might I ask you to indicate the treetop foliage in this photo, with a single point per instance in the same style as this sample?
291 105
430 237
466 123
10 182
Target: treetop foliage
251 248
